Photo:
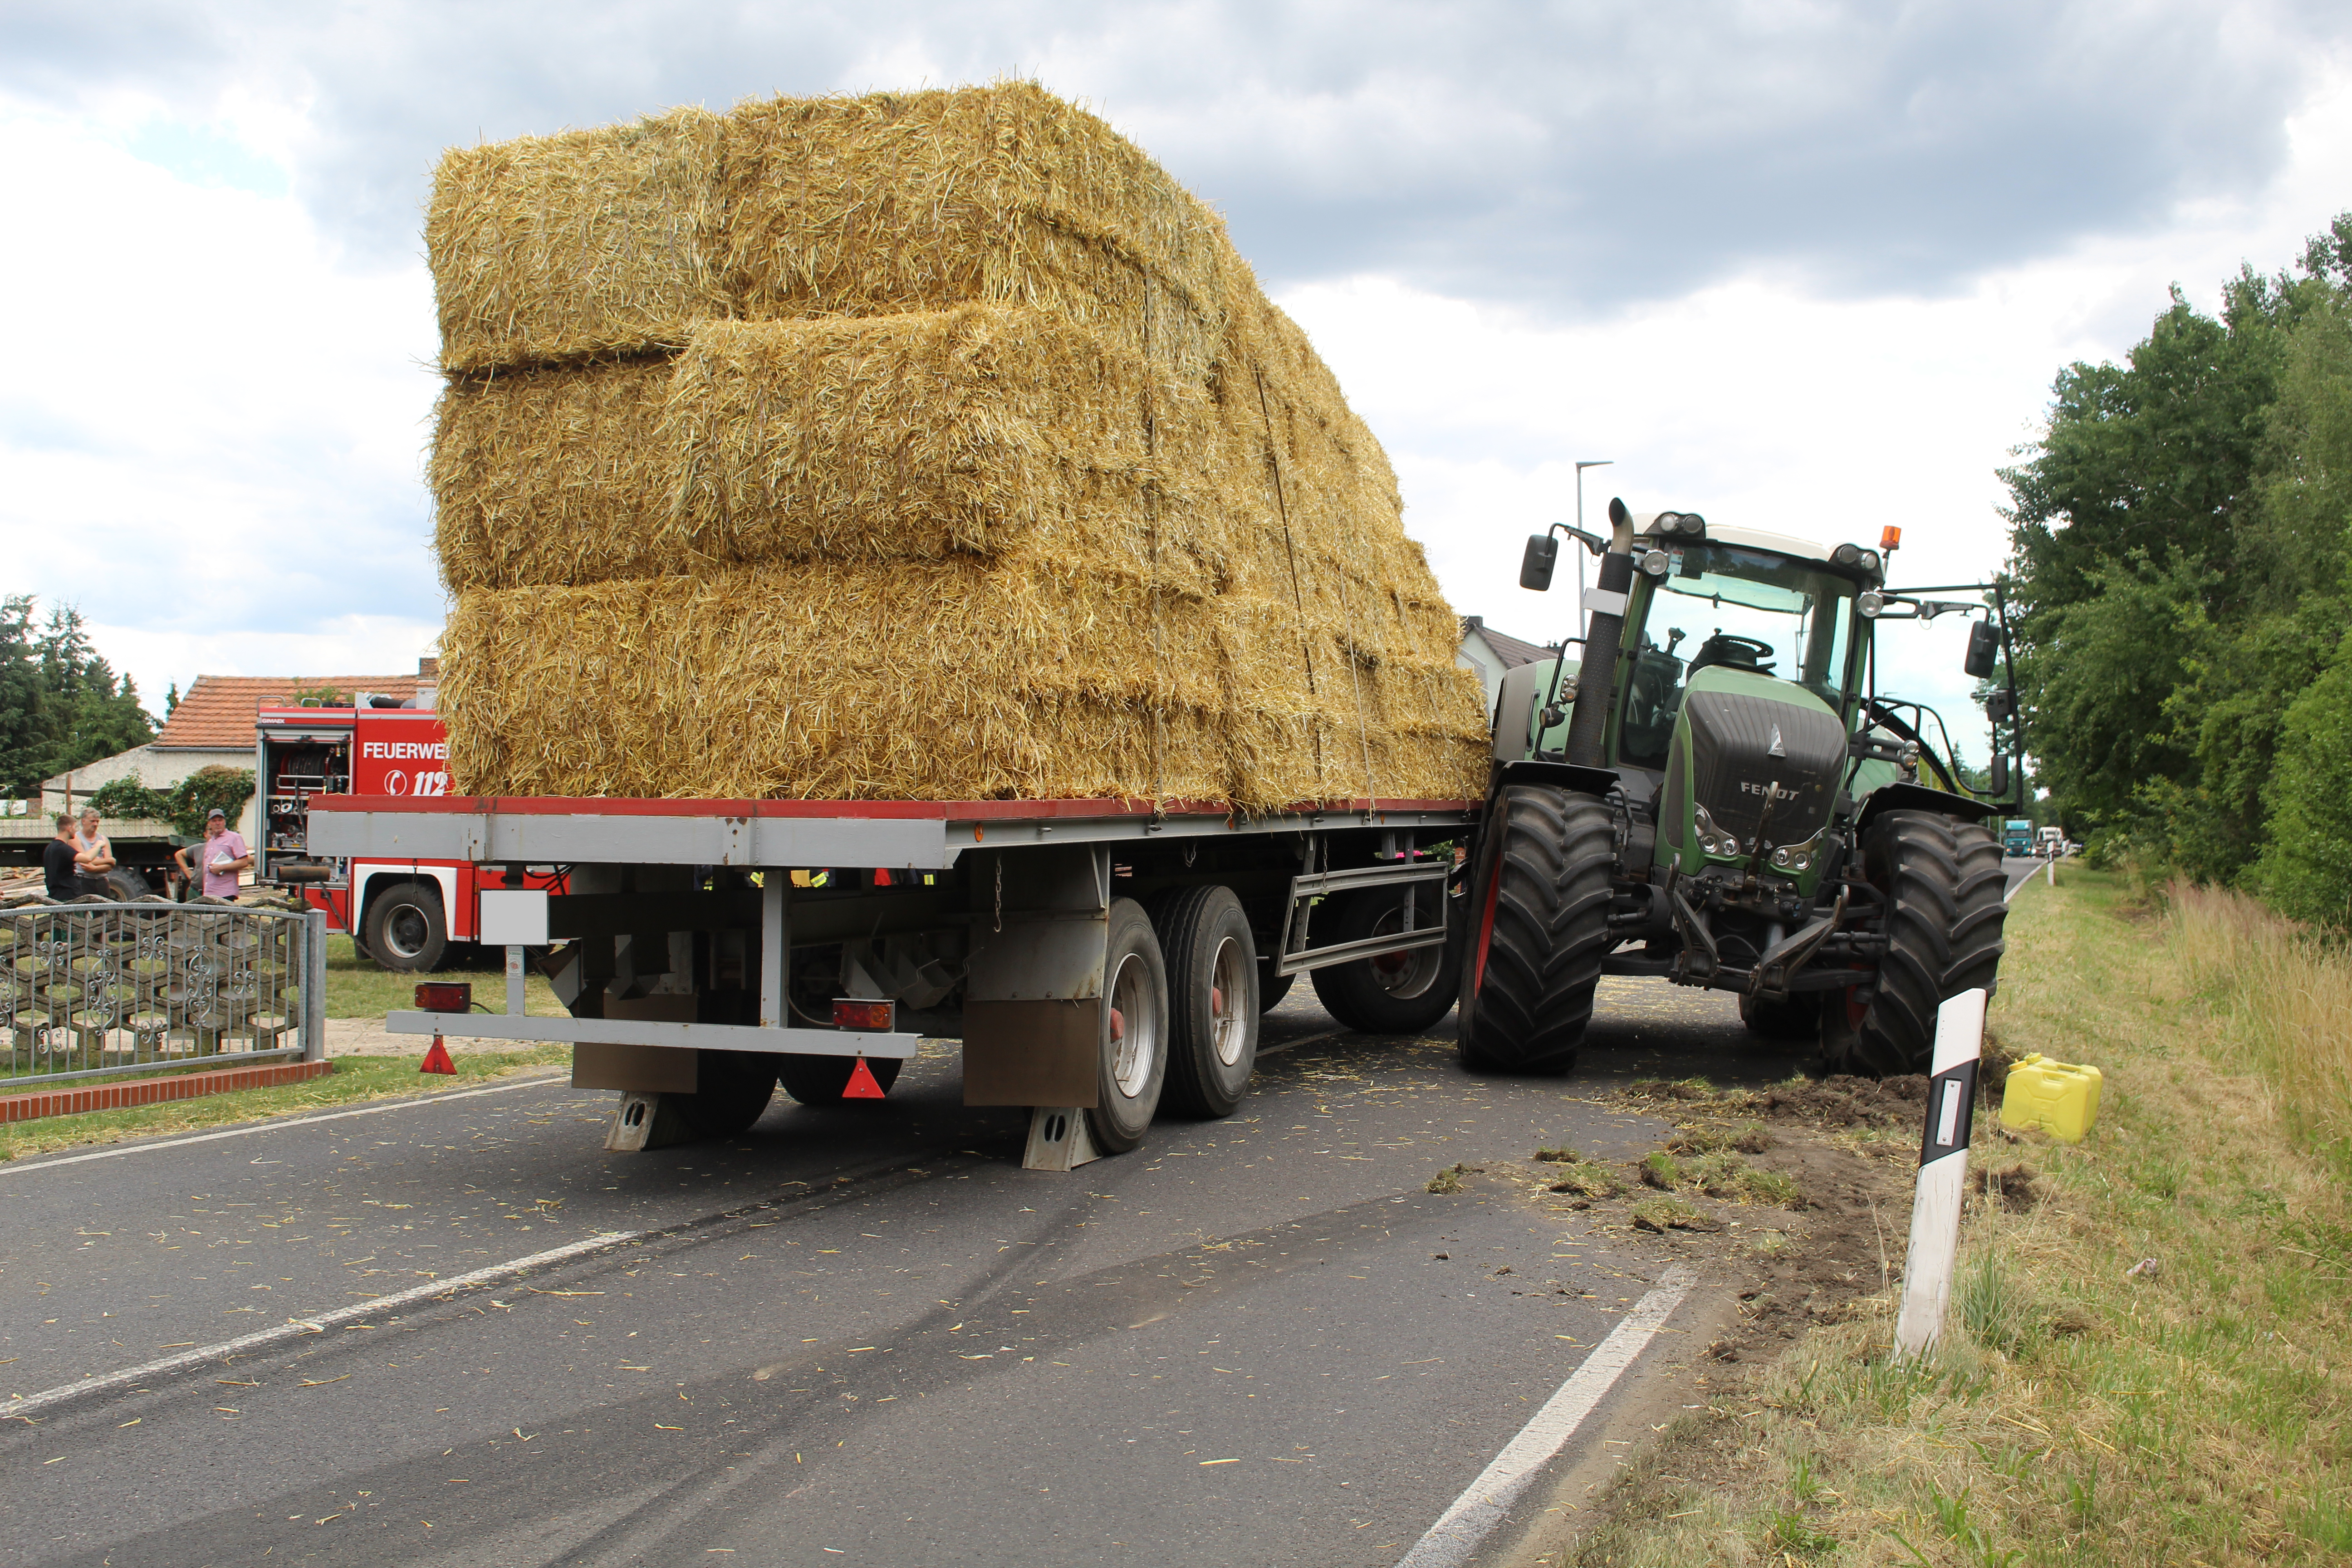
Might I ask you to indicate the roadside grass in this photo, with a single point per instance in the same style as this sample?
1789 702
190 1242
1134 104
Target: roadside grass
358 989
2076 1411
355 1079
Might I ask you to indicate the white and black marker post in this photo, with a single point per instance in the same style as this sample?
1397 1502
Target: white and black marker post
1943 1173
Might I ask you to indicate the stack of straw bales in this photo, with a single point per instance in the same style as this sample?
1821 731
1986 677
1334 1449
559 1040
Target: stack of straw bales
913 446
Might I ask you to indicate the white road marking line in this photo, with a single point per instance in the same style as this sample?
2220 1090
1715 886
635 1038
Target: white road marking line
296 1328
14 1170
1481 1506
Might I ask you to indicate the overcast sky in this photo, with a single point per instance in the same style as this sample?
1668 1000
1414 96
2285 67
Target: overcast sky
1805 266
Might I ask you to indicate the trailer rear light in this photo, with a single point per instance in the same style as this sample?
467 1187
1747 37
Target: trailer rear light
872 1016
445 997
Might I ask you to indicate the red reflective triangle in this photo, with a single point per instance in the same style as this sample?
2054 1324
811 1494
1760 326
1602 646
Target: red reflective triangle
437 1058
861 1083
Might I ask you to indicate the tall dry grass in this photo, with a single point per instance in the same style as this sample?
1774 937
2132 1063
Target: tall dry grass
2284 990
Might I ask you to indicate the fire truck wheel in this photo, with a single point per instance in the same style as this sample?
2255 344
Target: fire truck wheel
1132 1049
819 1080
1392 993
1213 1007
733 1088
407 933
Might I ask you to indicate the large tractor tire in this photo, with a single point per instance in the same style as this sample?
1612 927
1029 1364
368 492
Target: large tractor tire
1943 882
1212 1005
1392 993
1539 929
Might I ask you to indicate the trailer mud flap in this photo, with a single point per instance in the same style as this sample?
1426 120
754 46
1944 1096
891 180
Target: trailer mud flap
1032 1052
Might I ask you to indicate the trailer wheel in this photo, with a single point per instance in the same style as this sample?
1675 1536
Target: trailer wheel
1943 883
1539 929
1393 992
819 1080
1272 988
1132 1052
406 931
1798 1018
1212 1002
733 1088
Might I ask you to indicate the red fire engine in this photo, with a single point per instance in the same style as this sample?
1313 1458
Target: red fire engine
403 913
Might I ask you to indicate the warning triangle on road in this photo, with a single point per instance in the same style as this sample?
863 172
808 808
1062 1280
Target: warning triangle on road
437 1058
861 1084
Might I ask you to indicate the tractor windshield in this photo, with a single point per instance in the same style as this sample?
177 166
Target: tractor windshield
1745 609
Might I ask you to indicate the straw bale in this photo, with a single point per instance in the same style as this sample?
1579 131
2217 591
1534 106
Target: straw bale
980 429
894 202
956 680
554 476
553 249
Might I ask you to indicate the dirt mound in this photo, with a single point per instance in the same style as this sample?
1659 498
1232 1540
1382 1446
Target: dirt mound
1843 1100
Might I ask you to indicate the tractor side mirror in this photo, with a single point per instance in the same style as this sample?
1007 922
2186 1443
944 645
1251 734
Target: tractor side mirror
1535 566
2000 780
1984 646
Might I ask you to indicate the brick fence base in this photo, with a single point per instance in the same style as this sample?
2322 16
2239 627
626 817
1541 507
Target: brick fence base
154 1090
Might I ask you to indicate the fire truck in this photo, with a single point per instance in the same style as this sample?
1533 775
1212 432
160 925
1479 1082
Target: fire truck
405 914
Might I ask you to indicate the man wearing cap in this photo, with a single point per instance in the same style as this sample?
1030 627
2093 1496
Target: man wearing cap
220 857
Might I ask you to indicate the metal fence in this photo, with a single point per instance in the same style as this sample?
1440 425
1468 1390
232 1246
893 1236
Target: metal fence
92 989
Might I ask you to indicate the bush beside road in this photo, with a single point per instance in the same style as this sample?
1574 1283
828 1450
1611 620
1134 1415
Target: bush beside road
2082 1408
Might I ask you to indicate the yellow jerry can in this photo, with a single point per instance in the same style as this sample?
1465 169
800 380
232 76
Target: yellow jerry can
2061 1099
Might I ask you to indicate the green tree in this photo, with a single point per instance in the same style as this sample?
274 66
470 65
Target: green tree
24 711
2306 868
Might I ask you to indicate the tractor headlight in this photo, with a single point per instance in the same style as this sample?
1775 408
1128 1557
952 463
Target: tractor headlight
1847 556
1655 562
1780 858
1868 603
1870 560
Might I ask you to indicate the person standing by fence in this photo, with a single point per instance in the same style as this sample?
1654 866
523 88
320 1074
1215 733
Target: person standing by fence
96 856
219 858
61 861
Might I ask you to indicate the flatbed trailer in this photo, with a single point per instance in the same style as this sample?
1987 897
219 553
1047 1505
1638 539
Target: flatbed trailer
1092 956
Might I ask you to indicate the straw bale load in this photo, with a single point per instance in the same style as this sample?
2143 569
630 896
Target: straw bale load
927 446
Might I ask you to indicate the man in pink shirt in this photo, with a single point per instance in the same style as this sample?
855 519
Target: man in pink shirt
219 858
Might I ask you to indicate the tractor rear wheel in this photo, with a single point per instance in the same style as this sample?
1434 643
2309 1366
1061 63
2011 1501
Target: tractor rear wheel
1943 883
1538 930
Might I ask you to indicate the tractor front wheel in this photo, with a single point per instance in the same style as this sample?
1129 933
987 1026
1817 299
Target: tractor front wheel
1539 929
1943 883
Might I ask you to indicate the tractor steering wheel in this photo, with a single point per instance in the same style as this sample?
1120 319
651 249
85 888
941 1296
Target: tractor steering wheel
1731 649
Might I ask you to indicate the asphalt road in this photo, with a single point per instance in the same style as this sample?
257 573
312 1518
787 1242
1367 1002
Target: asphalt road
853 1334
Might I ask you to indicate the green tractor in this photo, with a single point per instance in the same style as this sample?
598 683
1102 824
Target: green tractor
1733 806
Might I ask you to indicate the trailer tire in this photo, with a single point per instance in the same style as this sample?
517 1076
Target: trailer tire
732 1091
1539 929
1392 994
1212 1006
1796 1017
819 1080
1943 882
1272 988
406 931
1131 1052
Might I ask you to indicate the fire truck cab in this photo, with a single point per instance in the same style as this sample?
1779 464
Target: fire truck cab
403 914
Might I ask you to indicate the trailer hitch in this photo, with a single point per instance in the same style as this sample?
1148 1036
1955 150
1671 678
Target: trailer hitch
1776 968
